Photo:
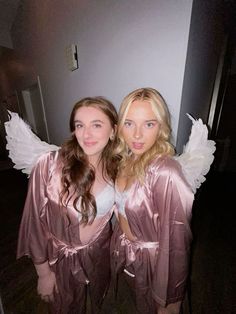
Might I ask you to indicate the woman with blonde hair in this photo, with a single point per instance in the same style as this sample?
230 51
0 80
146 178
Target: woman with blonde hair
150 245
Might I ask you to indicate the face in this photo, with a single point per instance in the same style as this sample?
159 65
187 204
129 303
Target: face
140 129
92 130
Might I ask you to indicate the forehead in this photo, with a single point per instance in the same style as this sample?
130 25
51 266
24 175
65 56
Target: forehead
90 114
140 109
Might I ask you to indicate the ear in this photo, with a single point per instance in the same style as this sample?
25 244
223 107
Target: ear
112 136
113 132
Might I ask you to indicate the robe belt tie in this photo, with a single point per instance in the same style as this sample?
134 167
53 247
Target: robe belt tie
131 247
58 250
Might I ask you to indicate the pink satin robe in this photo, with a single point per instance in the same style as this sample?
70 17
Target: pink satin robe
51 232
158 213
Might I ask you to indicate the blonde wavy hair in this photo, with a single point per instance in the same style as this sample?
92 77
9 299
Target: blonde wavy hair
162 145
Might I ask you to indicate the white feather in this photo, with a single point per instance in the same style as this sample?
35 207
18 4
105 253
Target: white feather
197 155
23 145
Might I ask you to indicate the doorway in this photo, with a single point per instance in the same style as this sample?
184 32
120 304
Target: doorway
32 110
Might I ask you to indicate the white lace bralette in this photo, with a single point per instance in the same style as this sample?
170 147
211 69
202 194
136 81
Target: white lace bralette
104 201
120 200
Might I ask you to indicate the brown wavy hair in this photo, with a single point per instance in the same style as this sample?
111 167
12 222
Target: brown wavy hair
162 145
78 175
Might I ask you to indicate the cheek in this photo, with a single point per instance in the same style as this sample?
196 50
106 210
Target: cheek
78 136
125 133
105 134
152 137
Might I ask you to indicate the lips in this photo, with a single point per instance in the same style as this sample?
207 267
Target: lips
89 144
137 145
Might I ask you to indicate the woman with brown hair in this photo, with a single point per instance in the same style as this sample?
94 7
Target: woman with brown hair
65 228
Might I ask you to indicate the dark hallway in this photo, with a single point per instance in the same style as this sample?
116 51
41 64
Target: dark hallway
213 266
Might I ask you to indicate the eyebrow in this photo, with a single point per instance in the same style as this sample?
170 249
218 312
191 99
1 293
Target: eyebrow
151 120
93 121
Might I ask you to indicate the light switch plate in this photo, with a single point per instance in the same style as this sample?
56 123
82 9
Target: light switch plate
72 57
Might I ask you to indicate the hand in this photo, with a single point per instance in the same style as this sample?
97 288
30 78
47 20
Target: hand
172 308
46 286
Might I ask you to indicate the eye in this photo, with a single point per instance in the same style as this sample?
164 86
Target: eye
78 125
97 126
150 125
128 124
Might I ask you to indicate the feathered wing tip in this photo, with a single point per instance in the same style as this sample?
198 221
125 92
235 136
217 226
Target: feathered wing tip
23 145
197 155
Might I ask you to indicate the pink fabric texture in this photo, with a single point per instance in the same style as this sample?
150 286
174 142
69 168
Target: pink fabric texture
51 232
159 214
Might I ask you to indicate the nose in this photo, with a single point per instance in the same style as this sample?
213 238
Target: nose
137 132
87 132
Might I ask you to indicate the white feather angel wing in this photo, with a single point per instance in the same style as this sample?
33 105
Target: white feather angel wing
25 148
197 155
23 145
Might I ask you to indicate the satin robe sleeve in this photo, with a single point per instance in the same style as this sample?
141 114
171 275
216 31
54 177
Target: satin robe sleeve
32 240
173 199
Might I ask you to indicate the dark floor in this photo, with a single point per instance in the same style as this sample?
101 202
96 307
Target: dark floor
212 287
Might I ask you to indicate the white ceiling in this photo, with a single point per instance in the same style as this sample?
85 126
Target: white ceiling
8 10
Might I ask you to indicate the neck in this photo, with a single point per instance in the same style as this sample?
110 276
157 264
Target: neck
94 160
